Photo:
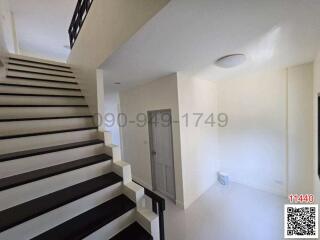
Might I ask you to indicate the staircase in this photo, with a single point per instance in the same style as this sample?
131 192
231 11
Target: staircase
59 177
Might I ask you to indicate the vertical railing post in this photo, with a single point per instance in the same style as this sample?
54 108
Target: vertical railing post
154 206
161 225
158 207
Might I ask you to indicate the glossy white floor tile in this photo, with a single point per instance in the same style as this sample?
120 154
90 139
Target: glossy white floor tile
234 212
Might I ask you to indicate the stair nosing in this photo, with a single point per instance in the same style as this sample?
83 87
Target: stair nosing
43 68
64 202
50 149
41 80
39 73
53 171
43 118
35 86
38 62
87 216
45 133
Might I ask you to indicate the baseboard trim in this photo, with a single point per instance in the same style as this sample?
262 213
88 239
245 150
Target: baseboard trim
261 188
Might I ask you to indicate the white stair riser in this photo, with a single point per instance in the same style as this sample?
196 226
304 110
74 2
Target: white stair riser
51 219
27 58
149 221
29 191
34 142
39 70
26 100
114 227
27 90
35 112
39 76
39 83
136 193
23 127
22 165
37 65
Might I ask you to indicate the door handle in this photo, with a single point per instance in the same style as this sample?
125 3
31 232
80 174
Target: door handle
154 153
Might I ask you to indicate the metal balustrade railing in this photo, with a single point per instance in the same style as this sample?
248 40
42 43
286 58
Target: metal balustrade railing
78 18
158 207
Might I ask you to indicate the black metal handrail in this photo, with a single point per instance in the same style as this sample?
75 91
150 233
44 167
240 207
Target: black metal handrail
158 207
79 15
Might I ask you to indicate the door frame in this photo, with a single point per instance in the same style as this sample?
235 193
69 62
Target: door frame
149 115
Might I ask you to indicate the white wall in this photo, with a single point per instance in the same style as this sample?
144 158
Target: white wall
108 25
316 93
267 144
199 144
111 111
300 129
8 38
155 95
196 164
253 145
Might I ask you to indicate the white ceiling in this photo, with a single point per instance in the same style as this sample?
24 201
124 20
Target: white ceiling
189 35
42 26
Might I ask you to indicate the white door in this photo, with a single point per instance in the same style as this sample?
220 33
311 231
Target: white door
162 152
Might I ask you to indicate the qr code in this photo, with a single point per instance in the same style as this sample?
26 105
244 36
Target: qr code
301 221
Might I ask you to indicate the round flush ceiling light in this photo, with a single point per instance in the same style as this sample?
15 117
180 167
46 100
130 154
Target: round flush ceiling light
231 61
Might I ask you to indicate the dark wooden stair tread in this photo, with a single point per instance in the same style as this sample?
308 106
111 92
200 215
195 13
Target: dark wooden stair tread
36 207
38 86
34 152
37 67
24 178
41 79
38 62
39 95
37 105
44 133
134 231
39 73
43 118
86 223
